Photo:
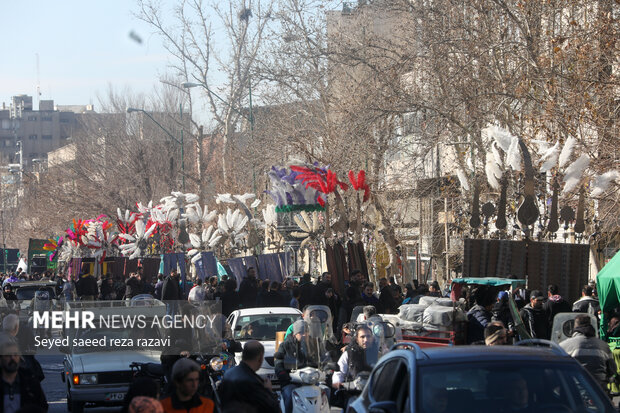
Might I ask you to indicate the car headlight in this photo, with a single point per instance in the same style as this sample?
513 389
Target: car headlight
216 363
309 377
84 379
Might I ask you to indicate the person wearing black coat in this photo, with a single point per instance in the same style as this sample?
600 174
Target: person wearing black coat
20 380
242 384
478 317
555 304
387 303
248 290
307 291
133 286
86 288
171 290
535 318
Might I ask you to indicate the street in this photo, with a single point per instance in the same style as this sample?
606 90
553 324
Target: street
55 390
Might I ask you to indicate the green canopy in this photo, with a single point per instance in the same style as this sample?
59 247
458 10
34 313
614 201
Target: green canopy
608 288
492 281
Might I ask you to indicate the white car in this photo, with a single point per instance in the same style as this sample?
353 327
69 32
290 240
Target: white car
262 324
100 376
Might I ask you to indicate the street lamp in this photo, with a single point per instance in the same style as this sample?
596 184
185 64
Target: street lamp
180 142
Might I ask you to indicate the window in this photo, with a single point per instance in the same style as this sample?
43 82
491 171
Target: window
46 136
470 387
46 118
32 137
32 155
32 118
386 382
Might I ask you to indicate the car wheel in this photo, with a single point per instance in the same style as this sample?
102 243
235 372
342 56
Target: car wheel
77 407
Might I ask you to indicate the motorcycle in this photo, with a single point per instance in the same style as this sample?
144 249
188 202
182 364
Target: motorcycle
154 371
311 393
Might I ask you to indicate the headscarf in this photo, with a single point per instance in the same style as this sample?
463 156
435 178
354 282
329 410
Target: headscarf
142 404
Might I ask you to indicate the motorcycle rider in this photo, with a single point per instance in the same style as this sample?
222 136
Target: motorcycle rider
354 359
241 383
292 350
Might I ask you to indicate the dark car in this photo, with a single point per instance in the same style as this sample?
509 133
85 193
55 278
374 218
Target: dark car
480 379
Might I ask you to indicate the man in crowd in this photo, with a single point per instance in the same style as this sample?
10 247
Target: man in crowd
368 295
171 292
241 383
248 290
587 302
133 285
555 303
291 349
19 388
593 353
86 287
185 397
535 317
323 285
198 293
307 291
158 286
354 359
387 303
478 317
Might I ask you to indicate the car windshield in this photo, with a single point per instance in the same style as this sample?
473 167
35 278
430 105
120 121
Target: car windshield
113 339
27 293
263 326
558 388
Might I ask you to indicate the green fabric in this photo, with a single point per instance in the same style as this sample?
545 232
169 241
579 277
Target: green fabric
492 281
613 386
289 331
608 288
296 208
220 270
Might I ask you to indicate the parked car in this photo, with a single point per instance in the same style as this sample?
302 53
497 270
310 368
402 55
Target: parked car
262 324
100 375
481 379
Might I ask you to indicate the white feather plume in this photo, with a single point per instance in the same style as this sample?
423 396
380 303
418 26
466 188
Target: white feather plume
493 172
269 214
513 156
600 183
462 179
574 173
500 135
496 155
567 151
469 163
550 158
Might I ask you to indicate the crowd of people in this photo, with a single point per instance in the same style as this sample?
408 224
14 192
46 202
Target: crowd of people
489 321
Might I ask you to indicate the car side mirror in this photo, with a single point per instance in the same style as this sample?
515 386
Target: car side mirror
383 407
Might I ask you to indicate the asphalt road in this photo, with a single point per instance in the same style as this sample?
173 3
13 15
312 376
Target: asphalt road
56 392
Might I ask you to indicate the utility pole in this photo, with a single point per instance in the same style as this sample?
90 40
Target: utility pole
3 241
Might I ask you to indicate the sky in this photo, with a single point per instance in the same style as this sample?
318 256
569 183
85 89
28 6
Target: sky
83 46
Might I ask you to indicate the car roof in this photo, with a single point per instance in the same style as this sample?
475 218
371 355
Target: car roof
458 354
20 284
268 310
